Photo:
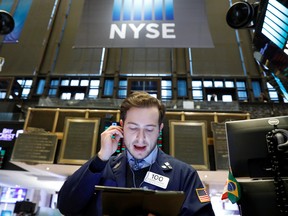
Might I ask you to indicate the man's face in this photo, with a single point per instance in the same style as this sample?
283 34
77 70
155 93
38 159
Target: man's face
141 131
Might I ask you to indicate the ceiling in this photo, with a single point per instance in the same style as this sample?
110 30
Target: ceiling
50 177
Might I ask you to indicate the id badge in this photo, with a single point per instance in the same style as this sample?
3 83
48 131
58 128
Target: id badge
157 180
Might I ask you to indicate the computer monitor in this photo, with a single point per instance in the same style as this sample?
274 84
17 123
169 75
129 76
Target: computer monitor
24 207
12 195
247 146
259 198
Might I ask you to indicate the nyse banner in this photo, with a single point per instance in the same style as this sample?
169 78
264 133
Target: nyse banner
144 23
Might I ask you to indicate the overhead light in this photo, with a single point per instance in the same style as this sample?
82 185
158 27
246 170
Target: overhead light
242 15
7 23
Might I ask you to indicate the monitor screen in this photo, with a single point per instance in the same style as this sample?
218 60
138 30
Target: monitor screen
12 195
270 43
25 207
259 198
2 154
271 33
247 146
6 213
9 131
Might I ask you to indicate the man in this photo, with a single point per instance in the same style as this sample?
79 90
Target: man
141 122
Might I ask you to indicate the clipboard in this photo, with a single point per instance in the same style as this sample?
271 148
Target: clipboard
120 201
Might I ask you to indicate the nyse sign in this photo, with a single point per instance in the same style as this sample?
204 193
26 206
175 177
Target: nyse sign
144 23
150 30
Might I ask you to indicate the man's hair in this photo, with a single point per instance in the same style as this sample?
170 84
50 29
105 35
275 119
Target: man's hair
141 100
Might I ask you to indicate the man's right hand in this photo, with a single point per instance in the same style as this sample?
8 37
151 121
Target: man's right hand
109 142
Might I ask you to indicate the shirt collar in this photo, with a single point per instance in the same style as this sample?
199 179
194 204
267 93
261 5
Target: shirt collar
150 159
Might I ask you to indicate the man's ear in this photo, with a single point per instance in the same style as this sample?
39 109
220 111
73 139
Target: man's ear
121 122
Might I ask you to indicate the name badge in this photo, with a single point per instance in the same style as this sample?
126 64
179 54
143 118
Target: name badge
156 179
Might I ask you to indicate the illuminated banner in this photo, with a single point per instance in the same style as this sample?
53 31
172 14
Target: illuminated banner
144 23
